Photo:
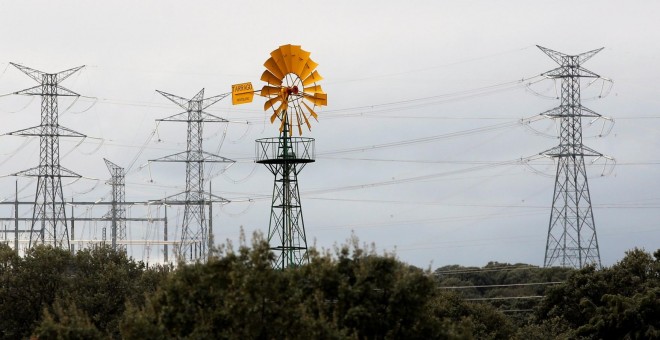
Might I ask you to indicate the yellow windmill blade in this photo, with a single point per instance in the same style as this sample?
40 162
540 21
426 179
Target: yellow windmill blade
278 111
271 66
286 56
309 126
298 114
308 68
318 99
293 56
311 112
268 91
298 59
273 117
270 78
313 89
278 58
313 78
300 62
270 102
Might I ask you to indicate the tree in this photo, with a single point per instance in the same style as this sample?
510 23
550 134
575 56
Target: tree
66 322
355 294
620 302
28 285
470 320
234 295
100 281
623 317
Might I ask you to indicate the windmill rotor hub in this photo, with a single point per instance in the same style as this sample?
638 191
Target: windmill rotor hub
292 90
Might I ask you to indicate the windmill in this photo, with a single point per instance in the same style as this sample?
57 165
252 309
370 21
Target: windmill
293 95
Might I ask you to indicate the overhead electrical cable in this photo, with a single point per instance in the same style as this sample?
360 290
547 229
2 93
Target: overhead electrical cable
426 69
430 138
468 270
503 285
399 223
383 107
507 298
412 179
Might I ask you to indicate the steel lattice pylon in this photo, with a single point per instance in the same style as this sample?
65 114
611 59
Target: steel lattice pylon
117 212
49 200
572 240
195 238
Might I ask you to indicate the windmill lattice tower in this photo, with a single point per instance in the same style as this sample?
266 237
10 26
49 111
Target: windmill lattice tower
292 80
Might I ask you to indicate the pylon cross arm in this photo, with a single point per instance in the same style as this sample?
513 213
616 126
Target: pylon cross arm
560 58
187 104
38 91
58 171
38 75
67 73
563 72
60 131
212 100
184 117
112 167
180 101
587 55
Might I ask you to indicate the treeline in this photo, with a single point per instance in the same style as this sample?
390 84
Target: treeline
347 293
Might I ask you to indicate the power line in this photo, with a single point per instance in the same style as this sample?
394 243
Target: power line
374 108
423 139
429 203
422 221
503 285
411 179
507 298
486 269
426 69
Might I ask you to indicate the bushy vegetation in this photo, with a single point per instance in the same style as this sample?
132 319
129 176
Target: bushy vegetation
620 302
350 292
51 291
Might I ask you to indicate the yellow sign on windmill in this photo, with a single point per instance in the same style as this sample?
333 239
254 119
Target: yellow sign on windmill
242 93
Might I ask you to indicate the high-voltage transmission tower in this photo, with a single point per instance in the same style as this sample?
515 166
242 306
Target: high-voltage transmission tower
195 235
49 222
572 240
117 213
292 80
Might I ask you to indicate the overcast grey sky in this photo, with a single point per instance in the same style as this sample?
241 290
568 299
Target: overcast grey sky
394 72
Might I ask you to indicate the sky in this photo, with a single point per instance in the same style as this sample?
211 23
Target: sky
422 150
